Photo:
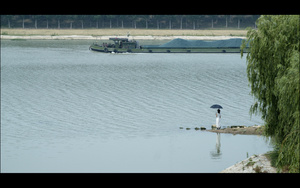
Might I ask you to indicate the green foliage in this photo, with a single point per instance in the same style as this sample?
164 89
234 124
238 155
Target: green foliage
273 74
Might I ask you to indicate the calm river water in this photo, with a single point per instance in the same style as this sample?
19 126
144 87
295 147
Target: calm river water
67 109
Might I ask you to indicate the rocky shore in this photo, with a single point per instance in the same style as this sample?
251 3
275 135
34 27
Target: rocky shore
251 130
254 164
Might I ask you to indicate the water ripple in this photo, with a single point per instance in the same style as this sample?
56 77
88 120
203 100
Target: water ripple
122 95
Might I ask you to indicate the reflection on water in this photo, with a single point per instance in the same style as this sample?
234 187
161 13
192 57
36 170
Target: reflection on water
216 154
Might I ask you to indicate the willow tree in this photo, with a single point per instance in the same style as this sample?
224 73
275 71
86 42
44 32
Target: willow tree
273 74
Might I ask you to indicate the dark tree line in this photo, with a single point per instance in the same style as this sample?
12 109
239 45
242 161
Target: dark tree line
129 21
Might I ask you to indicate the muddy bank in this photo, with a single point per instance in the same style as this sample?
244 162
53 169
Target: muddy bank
252 130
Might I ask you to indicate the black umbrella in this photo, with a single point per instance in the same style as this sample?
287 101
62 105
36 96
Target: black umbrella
217 106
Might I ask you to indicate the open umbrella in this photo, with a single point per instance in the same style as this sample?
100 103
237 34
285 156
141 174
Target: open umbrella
216 106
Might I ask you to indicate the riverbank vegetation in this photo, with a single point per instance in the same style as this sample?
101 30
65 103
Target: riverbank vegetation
190 22
273 74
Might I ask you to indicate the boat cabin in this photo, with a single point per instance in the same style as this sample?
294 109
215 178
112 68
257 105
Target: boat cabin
124 43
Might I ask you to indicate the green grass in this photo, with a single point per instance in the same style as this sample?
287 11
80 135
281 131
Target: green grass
272 156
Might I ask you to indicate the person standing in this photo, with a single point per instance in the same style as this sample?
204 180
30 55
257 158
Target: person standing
218 118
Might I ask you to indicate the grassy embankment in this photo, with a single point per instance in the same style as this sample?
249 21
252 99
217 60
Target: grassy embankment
121 32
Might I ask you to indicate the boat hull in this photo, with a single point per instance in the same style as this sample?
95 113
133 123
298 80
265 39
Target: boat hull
164 50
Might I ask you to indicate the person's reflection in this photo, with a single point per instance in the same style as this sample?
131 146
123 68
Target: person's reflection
216 154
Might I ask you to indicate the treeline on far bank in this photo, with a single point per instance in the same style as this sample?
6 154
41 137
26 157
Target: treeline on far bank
129 21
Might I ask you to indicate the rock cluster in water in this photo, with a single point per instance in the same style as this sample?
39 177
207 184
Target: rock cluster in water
196 128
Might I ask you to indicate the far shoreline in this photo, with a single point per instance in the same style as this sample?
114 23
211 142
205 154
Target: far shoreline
86 37
105 34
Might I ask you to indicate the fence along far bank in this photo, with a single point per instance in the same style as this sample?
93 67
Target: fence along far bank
193 22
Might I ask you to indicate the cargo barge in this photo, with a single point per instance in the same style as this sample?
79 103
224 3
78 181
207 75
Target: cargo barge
124 45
